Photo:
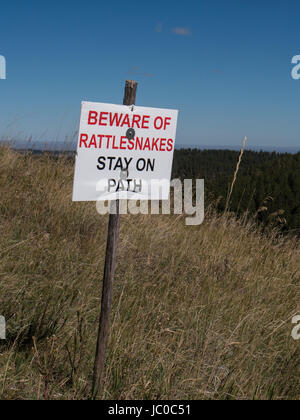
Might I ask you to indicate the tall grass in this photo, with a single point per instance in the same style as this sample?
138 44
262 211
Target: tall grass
199 312
235 173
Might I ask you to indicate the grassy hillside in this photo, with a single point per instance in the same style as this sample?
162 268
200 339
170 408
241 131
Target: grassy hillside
198 312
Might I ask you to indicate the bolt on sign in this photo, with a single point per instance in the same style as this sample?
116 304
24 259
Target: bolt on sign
124 152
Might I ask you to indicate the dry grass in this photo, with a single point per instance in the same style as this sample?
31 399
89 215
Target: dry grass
235 173
198 313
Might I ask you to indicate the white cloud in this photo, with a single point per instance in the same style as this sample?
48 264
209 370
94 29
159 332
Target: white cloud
181 31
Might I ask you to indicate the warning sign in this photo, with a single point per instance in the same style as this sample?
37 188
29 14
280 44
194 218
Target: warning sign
124 152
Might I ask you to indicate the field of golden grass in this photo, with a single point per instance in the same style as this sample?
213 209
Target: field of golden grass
199 312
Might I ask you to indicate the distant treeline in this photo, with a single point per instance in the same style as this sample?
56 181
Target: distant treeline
267 185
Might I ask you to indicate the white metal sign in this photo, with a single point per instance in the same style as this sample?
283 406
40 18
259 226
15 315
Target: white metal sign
124 152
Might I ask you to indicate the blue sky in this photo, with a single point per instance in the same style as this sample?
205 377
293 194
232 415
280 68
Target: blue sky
226 65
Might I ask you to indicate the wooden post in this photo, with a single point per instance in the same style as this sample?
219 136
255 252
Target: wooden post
109 273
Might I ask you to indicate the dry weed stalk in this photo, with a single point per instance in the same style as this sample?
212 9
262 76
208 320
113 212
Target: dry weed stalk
235 173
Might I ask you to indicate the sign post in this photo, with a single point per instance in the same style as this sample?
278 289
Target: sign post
124 152
109 272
